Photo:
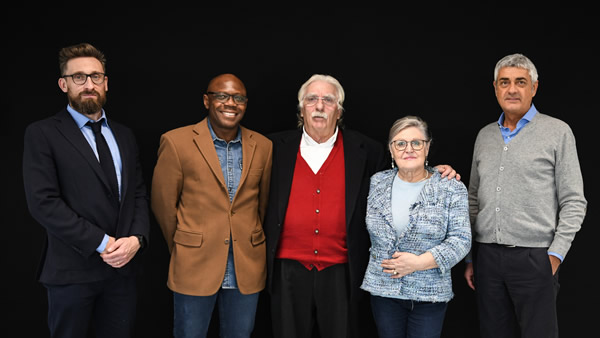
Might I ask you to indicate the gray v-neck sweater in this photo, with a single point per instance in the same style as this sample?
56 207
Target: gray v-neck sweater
528 192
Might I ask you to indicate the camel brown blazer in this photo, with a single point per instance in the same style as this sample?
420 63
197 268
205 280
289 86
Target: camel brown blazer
191 204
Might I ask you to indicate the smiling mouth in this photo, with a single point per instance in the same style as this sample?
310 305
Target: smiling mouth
229 114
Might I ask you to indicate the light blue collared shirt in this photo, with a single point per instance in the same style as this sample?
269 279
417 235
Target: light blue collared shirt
508 135
87 132
230 158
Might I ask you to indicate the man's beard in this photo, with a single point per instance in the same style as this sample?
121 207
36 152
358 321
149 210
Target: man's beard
88 106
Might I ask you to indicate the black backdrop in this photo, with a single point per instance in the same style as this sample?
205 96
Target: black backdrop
391 62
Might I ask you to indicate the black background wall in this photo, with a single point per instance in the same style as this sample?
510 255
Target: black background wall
391 62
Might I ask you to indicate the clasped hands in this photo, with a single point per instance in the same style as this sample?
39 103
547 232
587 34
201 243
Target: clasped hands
404 263
119 252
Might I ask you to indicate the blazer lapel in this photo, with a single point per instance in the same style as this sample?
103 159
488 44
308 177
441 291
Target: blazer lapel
355 158
248 149
68 128
206 146
286 149
125 153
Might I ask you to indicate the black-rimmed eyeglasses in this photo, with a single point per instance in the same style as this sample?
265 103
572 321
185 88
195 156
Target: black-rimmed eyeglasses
224 97
80 78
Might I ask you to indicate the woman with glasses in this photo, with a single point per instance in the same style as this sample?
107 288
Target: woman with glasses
419 228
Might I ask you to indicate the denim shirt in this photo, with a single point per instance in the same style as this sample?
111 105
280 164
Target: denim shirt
230 158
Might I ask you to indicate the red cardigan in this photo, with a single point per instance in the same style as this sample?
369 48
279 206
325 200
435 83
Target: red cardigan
314 228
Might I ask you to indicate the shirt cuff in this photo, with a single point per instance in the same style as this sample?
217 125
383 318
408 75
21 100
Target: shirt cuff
102 246
556 255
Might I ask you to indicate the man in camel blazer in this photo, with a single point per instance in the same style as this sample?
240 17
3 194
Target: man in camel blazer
211 218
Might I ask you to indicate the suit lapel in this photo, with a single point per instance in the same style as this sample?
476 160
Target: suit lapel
287 148
206 146
355 158
68 128
248 149
124 151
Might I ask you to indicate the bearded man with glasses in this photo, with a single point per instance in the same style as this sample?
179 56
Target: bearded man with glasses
84 185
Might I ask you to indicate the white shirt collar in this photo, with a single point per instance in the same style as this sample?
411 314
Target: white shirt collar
308 141
315 153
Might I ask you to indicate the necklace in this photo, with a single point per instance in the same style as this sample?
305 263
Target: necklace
424 178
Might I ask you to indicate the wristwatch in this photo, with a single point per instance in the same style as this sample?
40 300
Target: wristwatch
141 239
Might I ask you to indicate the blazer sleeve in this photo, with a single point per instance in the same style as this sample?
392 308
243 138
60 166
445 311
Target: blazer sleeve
44 196
167 182
141 222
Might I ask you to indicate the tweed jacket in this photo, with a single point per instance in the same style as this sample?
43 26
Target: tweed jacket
191 203
438 223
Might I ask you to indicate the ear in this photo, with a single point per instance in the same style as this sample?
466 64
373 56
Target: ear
535 87
205 98
62 84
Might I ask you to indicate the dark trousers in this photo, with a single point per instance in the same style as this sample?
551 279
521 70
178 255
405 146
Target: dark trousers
302 298
401 318
107 306
516 292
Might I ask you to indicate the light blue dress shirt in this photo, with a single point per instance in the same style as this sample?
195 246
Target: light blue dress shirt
87 132
507 134
230 158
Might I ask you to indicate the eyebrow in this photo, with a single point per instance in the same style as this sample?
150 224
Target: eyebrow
518 79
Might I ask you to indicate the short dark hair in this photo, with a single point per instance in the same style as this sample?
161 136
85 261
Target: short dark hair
79 50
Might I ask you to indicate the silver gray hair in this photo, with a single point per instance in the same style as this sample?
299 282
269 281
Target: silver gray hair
407 122
340 95
519 61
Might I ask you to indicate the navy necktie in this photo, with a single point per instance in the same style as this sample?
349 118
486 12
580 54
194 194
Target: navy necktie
106 160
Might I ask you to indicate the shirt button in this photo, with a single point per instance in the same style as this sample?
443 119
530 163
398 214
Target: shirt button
316 252
505 148
498 188
316 231
226 241
501 168
318 191
317 211
497 209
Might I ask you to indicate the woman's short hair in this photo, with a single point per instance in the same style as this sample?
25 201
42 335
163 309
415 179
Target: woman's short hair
407 122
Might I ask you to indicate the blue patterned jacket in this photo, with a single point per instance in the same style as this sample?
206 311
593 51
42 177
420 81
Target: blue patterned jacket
438 223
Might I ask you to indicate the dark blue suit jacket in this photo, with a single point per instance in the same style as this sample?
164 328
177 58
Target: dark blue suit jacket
68 194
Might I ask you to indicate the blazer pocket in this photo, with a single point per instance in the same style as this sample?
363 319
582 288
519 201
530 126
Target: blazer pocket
188 238
258 237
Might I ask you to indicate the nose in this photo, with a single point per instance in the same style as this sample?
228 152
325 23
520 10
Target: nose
88 84
512 88
320 105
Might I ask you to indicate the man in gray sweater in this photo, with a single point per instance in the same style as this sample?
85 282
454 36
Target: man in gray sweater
526 204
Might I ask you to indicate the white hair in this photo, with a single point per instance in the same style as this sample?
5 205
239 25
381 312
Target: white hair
324 78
